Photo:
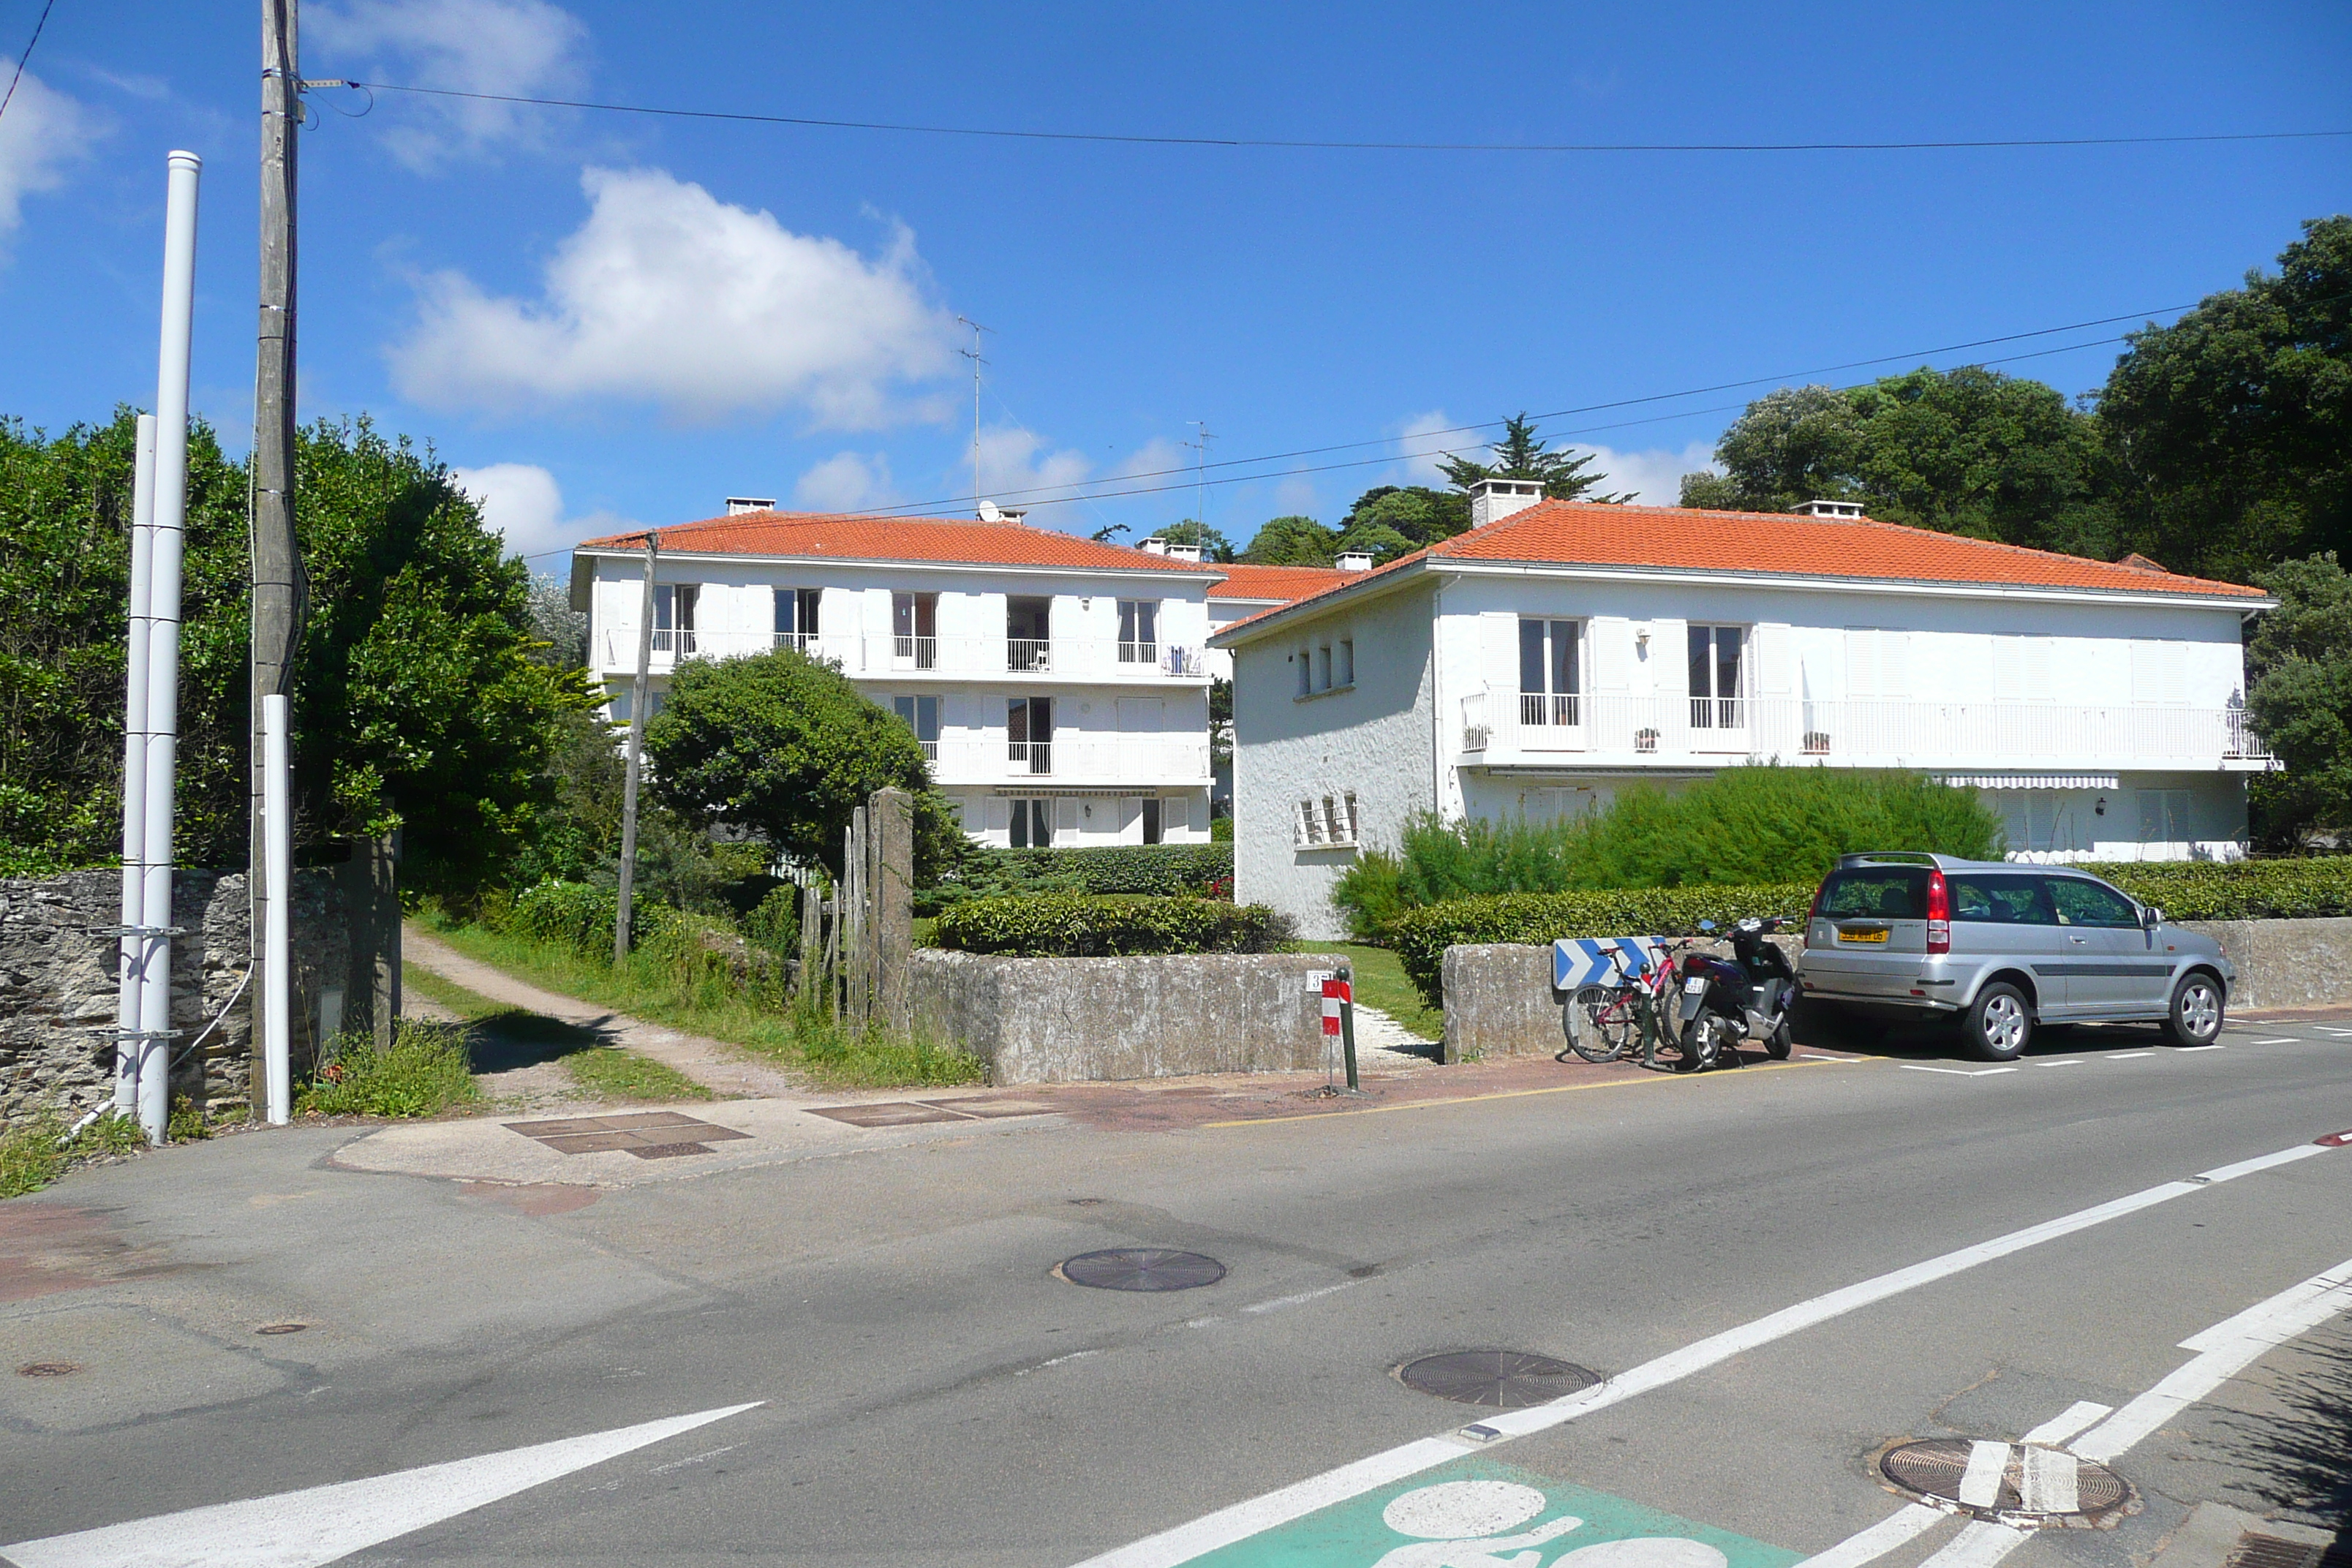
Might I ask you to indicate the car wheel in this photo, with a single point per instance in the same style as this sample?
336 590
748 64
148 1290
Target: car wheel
2197 1009
2000 1023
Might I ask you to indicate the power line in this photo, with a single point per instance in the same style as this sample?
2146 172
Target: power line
1301 145
8 96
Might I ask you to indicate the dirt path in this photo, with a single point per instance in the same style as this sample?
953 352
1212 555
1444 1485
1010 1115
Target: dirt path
724 1070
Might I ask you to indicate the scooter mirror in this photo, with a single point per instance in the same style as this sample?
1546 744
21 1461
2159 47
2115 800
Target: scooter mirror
1706 925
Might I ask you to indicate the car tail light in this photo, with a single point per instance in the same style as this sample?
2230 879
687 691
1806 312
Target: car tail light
1819 894
1940 914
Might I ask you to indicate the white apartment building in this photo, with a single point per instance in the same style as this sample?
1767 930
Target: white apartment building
1058 685
1556 651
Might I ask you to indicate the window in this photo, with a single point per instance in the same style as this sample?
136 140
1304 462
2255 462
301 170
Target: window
1029 734
2164 816
1032 824
1323 668
2022 669
1877 662
674 607
1716 657
1028 634
915 625
922 716
2082 902
2001 900
1138 635
796 617
2160 673
1347 671
1876 892
1328 821
1549 678
1304 660
1152 821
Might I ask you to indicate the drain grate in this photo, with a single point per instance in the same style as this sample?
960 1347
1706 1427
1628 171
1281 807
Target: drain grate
282 1328
647 1134
2255 1550
1140 1268
48 1368
1500 1380
2009 1481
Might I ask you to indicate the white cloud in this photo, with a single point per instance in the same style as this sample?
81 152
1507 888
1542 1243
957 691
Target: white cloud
1295 496
43 134
523 48
1157 459
1654 475
1014 464
670 296
846 482
523 502
1422 442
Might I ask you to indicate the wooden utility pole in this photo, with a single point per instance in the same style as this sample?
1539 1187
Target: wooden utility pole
636 751
276 563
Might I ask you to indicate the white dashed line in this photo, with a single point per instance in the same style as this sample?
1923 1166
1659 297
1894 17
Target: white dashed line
2281 1040
2068 1423
1281 1302
2127 1056
1980 1545
1869 1545
2184 1050
2069 1062
1955 1072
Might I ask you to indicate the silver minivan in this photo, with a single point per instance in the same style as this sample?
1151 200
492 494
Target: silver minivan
2004 949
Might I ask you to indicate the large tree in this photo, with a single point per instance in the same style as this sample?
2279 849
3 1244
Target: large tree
1292 541
2232 426
1522 454
2300 665
1418 512
1214 546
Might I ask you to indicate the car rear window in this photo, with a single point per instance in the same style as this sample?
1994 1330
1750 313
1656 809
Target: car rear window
1876 892
2001 900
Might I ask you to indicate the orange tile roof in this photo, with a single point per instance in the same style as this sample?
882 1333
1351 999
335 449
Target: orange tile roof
962 540
1672 538
1245 581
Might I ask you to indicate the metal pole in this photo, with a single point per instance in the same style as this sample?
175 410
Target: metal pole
134 768
1348 1025
276 1021
637 750
277 560
154 1041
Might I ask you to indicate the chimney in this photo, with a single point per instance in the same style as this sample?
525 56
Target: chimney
991 512
1354 561
1849 511
1183 552
1492 500
736 505
1155 545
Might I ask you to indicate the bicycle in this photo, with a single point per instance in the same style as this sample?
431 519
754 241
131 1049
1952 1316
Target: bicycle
1607 1020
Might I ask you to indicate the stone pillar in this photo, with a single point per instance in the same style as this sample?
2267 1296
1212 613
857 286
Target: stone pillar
891 830
369 885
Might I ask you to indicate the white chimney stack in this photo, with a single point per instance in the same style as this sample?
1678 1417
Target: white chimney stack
1183 552
1354 561
1849 510
1155 545
736 505
1492 500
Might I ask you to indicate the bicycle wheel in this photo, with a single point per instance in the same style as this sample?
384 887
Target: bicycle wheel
1604 1022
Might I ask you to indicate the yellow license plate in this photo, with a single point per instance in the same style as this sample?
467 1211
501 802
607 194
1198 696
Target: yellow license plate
1877 936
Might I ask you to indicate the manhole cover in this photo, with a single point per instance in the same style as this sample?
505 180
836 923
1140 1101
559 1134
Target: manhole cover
1501 1380
282 1328
2049 1486
1140 1268
48 1368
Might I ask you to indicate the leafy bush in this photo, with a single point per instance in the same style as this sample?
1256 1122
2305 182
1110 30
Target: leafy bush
1167 869
2309 889
775 923
1081 925
1744 826
581 917
1421 936
422 1072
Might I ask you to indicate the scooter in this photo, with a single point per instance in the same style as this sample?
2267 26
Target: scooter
1726 1001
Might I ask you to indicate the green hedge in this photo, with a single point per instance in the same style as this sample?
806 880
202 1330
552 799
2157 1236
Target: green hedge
1168 871
2239 890
1083 925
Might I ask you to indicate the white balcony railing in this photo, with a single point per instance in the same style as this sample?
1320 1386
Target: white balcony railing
1864 731
880 654
1029 756
1072 757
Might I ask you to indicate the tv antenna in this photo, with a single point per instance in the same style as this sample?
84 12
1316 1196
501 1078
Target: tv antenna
1200 469
972 353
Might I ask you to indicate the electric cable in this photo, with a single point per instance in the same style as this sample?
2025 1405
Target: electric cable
8 96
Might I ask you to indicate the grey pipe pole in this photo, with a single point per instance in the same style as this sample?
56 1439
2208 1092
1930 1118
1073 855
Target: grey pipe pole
636 751
163 644
135 770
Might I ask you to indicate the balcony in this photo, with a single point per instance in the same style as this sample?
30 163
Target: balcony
1553 730
1029 656
1029 756
978 658
1073 758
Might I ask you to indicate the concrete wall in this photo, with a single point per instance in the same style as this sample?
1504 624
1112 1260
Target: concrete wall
1372 738
58 986
1499 1001
1064 1020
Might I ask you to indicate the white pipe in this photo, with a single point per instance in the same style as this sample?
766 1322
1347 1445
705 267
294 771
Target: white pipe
134 766
279 830
164 641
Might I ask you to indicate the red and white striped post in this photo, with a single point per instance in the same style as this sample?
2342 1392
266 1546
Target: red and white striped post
1340 1018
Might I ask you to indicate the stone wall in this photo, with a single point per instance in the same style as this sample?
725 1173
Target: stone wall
57 986
1062 1020
1499 1001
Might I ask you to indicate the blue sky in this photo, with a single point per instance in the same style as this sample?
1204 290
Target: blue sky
604 319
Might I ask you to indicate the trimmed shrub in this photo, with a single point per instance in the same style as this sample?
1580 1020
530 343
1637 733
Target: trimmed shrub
1083 925
1165 869
2309 889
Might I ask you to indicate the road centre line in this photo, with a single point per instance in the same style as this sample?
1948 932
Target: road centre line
1524 1093
2281 1040
1955 1072
2184 1050
2126 1056
1281 1302
2075 1419
2068 1062
1239 1521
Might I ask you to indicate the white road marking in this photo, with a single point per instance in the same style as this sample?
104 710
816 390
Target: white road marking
2126 1056
2281 1040
2068 1062
2075 1418
319 1524
2184 1050
2323 1029
1980 1545
2049 1480
2224 1351
1057 1360
1818 1056
1240 1520
1869 1545
1955 1072
2287 1156
1981 1482
1281 1302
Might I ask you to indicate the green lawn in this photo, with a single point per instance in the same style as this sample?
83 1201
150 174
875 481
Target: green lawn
601 1069
1380 982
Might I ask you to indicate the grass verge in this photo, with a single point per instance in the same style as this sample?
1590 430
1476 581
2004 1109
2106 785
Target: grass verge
1380 982
611 1072
647 987
424 1071
618 1074
35 1152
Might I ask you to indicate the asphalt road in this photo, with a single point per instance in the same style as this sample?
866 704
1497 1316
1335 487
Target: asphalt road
929 1393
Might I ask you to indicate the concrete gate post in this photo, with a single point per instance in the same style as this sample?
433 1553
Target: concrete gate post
891 822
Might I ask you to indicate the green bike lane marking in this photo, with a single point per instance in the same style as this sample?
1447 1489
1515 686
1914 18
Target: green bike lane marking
1478 1513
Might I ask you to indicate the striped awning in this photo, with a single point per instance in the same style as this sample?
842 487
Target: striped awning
2033 781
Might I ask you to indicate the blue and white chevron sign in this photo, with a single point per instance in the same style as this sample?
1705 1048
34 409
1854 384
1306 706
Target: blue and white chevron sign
1589 960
